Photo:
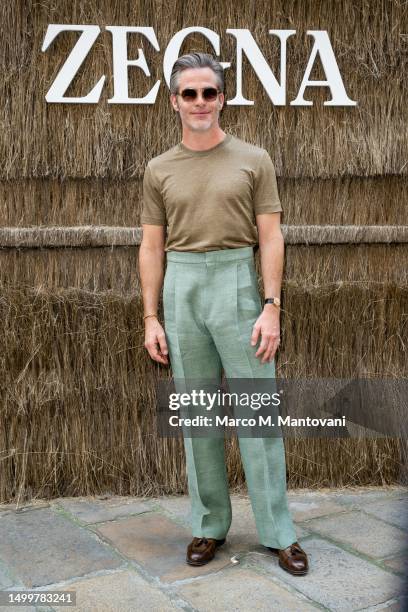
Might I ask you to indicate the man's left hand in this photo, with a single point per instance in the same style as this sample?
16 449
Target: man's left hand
268 326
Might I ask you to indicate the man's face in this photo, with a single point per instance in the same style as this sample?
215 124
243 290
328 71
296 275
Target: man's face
198 115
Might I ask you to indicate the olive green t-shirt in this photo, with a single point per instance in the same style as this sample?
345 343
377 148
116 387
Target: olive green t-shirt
209 199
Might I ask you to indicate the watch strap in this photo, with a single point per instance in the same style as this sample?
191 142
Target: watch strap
273 300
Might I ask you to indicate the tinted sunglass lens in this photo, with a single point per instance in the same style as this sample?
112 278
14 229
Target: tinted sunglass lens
189 95
210 93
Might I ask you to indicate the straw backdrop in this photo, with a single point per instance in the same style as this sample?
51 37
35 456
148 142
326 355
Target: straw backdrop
77 412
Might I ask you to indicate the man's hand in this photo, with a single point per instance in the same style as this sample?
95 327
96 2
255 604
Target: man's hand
155 341
268 326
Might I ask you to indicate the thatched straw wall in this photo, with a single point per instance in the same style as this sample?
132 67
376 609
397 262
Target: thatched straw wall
77 387
82 141
341 201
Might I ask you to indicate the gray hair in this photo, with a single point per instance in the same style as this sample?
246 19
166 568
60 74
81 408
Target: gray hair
196 60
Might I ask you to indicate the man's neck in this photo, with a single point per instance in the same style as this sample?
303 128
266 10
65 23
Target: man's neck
200 141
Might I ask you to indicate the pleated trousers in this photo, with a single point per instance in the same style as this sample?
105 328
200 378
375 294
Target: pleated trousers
211 302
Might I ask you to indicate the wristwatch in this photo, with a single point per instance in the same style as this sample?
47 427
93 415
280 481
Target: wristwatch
273 300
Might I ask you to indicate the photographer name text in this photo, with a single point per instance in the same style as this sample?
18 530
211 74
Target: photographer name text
258 421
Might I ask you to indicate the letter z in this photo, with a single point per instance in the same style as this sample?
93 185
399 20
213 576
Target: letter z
73 62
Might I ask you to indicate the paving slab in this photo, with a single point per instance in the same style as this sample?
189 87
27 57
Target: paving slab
158 545
18 609
41 547
178 506
400 605
307 507
91 511
240 590
394 511
399 564
336 579
123 591
362 532
365 495
6 580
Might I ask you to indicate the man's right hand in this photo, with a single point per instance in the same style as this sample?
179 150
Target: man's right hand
155 341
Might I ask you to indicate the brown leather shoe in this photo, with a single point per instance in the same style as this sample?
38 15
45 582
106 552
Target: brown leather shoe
293 559
202 550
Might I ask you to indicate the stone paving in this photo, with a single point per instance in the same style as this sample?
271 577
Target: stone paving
128 554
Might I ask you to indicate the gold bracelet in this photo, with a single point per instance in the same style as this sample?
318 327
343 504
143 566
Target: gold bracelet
150 315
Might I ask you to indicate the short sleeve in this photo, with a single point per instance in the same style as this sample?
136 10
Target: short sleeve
266 196
153 212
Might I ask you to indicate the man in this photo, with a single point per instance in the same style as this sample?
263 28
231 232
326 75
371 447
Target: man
218 196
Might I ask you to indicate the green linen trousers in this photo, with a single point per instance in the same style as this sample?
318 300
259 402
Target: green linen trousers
211 302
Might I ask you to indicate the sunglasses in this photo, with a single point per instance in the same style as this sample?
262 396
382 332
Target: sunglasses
209 94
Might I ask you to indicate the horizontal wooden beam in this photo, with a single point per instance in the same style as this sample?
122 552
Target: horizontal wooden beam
345 234
89 236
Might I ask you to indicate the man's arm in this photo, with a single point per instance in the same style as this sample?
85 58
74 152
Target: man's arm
271 248
151 269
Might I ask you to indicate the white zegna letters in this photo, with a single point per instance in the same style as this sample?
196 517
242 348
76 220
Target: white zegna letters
245 44
74 60
323 47
121 63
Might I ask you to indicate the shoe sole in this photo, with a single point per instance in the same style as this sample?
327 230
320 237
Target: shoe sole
197 563
299 573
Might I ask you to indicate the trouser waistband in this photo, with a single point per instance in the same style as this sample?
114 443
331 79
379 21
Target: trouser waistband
211 256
